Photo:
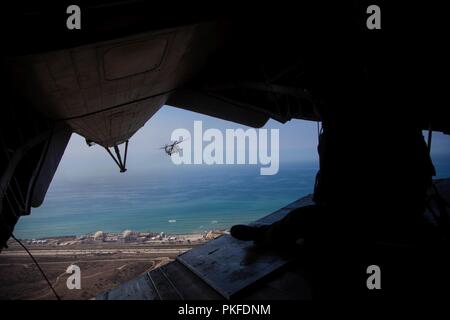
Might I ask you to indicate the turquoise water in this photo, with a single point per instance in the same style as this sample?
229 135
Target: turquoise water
183 200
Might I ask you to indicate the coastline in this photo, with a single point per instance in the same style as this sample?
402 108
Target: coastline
126 236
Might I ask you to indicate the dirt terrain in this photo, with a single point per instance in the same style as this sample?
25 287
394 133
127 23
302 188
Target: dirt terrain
102 268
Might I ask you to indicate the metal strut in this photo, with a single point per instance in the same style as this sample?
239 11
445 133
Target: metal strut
118 160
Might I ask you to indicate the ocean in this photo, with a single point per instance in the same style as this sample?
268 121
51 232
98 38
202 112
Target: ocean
187 199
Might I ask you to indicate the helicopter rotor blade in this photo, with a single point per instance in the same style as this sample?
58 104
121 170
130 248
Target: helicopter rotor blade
180 141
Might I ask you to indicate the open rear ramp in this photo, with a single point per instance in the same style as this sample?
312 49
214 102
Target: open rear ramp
224 268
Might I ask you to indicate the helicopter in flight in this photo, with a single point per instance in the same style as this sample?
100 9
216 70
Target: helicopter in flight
173 148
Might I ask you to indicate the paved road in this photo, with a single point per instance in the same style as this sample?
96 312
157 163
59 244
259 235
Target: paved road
71 252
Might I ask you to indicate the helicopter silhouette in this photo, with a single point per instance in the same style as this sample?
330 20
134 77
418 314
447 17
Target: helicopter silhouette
172 148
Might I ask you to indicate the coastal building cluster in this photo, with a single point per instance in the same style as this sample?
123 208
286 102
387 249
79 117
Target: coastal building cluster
128 237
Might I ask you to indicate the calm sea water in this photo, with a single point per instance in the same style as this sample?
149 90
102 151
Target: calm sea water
184 200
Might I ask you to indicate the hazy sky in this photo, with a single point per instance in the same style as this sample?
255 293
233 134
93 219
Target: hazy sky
298 142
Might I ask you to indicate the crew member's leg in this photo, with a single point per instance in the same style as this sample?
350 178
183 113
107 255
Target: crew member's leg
284 233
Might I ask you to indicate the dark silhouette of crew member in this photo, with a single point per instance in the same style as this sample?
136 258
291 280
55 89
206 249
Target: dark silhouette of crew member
375 168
